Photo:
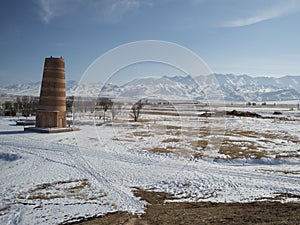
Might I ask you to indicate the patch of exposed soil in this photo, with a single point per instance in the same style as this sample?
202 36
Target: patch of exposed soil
160 212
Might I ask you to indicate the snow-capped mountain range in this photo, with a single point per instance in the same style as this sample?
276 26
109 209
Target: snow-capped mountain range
230 87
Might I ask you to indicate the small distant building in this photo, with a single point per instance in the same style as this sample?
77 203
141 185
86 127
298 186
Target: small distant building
52 104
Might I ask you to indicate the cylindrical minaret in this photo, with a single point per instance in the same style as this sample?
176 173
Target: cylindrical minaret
52 105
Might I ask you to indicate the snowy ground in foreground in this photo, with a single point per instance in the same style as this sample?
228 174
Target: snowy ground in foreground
53 178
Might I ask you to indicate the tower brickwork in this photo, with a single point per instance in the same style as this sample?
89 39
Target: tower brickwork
52 105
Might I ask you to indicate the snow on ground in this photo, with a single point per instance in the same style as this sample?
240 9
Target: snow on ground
55 178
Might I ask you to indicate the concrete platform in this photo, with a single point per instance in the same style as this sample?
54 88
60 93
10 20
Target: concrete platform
25 122
50 130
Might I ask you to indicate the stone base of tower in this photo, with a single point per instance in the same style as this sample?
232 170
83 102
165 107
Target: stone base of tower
50 119
50 129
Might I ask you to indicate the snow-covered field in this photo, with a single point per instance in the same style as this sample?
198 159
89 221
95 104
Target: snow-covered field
57 178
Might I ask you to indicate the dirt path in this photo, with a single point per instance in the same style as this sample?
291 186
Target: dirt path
158 212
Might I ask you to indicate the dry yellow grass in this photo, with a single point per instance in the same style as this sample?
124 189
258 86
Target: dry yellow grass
247 143
200 143
173 132
172 127
267 135
287 155
241 149
115 138
47 191
171 140
198 155
160 150
279 196
142 133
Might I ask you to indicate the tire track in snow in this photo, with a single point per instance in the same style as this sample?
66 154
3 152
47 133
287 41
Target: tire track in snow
74 159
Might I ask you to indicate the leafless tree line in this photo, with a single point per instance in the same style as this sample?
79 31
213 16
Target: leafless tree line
28 105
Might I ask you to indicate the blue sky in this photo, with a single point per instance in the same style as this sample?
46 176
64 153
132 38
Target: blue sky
255 37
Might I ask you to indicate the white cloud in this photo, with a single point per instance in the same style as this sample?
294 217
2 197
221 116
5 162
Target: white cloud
105 10
49 9
46 10
286 8
124 5
117 9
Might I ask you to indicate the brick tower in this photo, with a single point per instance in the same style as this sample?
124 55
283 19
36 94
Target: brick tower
52 106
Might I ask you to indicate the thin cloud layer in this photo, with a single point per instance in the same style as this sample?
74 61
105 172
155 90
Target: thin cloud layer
284 9
101 10
47 9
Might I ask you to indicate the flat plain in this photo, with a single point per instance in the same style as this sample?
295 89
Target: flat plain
196 157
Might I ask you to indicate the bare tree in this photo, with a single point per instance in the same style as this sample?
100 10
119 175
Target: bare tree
136 110
29 105
69 103
104 104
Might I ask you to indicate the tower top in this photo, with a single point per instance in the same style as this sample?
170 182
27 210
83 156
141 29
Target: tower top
52 57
